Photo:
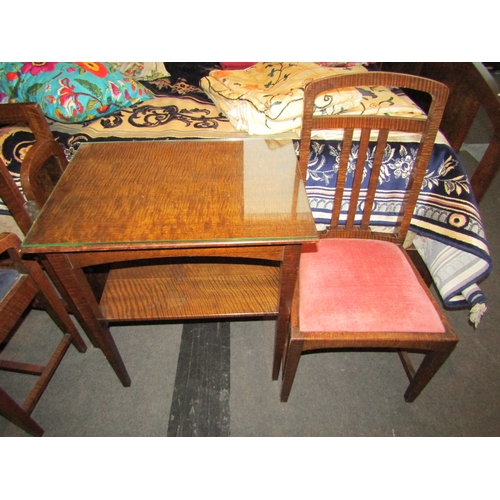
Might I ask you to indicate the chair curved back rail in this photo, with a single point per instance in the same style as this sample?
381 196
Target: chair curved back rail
26 114
41 170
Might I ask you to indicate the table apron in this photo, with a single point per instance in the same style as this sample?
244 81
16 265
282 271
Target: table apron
266 252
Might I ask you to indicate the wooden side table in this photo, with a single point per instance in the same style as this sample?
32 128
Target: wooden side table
188 229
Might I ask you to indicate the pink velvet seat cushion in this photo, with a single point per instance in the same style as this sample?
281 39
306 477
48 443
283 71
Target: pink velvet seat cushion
358 285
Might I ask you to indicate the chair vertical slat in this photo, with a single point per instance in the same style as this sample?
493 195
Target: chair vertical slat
341 177
305 145
303 162
374 178
358 177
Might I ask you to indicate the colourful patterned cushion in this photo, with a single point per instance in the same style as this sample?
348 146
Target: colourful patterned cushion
71 92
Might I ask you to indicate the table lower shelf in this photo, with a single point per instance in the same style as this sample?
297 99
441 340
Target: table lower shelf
191 291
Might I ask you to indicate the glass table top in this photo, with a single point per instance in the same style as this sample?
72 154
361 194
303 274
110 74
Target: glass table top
175 193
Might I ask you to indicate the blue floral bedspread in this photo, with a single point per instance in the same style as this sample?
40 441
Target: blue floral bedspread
449 234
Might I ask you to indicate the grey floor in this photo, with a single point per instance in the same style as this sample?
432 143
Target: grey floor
334 394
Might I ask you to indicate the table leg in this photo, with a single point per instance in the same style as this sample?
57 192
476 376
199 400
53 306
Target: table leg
80 294
288 278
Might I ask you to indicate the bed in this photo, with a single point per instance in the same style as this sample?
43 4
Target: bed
206 100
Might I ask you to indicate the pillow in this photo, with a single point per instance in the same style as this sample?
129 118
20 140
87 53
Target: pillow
141 70
71 92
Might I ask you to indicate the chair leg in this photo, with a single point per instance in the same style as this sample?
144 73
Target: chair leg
13 412
293 351
427 369
54 305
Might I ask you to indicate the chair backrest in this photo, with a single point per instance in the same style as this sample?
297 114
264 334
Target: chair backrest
41 170
357 190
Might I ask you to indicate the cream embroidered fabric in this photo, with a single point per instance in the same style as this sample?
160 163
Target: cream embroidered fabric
267 98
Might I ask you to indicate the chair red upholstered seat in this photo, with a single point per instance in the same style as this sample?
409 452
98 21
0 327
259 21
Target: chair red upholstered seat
362 285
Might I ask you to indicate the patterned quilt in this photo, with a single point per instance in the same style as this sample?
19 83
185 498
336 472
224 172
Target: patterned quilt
447 225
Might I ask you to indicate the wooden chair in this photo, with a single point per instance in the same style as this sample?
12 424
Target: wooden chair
471 88
20 284
357 288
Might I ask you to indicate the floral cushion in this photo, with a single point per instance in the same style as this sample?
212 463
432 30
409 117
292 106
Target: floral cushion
70 92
